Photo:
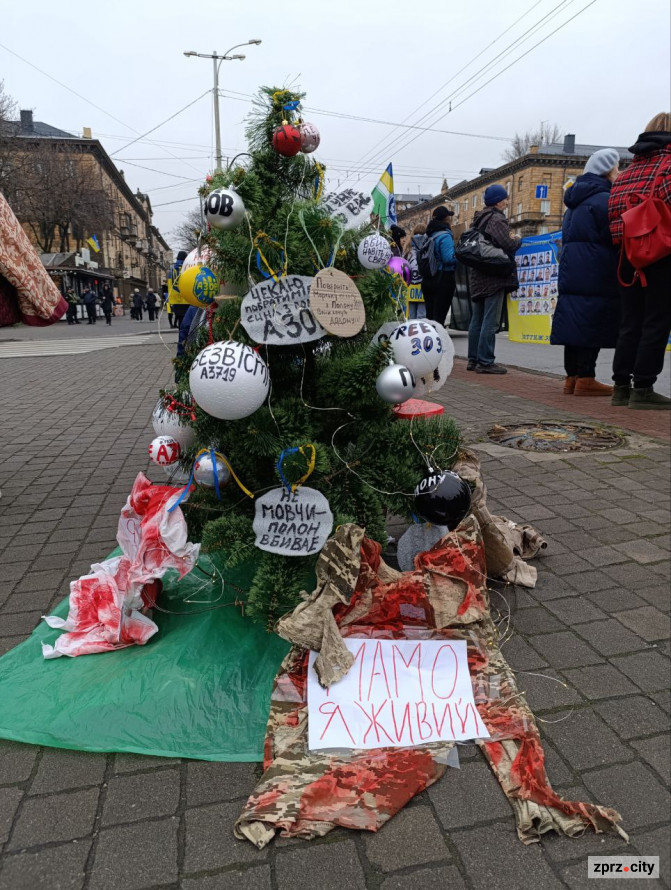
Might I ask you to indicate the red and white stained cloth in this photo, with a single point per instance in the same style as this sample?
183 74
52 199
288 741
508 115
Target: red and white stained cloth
27 293
106 606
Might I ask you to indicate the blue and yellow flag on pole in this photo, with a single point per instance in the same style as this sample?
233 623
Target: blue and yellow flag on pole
384 203
93 243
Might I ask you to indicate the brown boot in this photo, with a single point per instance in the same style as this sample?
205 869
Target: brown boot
588 386
569 385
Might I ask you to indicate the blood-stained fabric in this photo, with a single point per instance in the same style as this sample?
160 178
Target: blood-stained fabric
306 794
108 606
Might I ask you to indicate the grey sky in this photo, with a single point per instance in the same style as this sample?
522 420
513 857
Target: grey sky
602 76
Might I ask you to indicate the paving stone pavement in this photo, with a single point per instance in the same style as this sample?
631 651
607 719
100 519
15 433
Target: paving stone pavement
590 644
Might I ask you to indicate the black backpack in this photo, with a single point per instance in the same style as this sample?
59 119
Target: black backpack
477 250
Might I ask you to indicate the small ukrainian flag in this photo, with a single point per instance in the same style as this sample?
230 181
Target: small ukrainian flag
93 243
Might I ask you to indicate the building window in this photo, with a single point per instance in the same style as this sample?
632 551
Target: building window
520 183
519 210
465 206
475 200
508 187
545 206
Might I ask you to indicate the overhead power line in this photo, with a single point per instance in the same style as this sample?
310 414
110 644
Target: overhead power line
397 143
158 126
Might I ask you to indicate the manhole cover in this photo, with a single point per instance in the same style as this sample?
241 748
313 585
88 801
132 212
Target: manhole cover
549 436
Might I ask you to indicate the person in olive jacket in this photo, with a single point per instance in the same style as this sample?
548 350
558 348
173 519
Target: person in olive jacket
587 317
488 288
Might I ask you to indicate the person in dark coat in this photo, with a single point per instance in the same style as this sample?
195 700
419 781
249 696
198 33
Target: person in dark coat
89 301
137 305
646 305
107 301
438 289
151 301
489 288
73 303
587 317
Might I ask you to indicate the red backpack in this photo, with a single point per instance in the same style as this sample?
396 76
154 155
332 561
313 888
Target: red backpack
646 232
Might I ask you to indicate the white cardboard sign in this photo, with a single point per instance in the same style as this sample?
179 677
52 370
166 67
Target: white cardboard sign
278 312
397 694
292 523
351 208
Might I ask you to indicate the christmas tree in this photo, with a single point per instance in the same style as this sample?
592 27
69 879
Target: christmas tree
323 424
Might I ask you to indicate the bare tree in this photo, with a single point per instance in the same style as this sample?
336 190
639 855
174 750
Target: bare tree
7 104
520 145
187 232
59 194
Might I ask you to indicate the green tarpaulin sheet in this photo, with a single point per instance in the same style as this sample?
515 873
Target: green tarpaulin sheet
199 688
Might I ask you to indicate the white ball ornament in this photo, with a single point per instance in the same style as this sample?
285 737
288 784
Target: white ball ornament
169 423
204 471
418 346
374 252
229 380
224 209
395 384
309 137
164 450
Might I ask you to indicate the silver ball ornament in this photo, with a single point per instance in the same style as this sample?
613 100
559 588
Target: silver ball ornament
224 209
395 384
204 468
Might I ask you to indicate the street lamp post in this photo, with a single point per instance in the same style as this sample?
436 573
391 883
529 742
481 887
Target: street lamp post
216 63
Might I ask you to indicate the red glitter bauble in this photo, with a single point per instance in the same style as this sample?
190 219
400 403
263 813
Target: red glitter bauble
287 140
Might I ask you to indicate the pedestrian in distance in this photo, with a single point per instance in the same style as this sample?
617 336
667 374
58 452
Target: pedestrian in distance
73 303
137 305
645 291
107 302
89 300
438 288
587 317
151 301
416 307
397 236
489 288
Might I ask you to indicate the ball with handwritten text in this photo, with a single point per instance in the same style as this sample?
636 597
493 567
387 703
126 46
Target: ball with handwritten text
417 346
211 473
287 140
374 252
229 380
164 450
395 384
197 286
224 209
443 498
309 137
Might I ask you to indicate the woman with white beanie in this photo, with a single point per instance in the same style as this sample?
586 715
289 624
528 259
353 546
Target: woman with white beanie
588 311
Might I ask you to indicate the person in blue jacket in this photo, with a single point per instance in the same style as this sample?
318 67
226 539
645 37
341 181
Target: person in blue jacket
438 289
587 316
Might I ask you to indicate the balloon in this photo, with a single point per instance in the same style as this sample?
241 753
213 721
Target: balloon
398 266
374 252
197 286
309 137
442 498
417 346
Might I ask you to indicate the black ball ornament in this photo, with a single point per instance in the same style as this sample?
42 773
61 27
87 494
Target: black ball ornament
442 498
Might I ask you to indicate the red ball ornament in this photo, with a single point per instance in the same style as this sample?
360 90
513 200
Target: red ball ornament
287 140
